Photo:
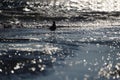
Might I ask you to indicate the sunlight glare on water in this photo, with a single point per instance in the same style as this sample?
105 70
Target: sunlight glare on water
68 54
84 46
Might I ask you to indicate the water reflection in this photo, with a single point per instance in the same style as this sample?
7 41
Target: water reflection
34 57
72 54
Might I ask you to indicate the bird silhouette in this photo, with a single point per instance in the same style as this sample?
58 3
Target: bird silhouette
53 27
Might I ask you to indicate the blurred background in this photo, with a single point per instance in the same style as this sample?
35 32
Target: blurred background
84 46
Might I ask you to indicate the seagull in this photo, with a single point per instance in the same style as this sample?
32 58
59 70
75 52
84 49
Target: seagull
53 27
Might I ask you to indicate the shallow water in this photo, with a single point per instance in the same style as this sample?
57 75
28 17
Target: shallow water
66 54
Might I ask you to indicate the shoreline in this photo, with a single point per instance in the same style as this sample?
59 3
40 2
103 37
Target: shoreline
69 24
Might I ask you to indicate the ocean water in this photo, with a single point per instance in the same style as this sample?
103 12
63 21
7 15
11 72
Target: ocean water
85 46
66 54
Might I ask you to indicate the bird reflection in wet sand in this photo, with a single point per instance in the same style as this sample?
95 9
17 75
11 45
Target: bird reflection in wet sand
53 28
